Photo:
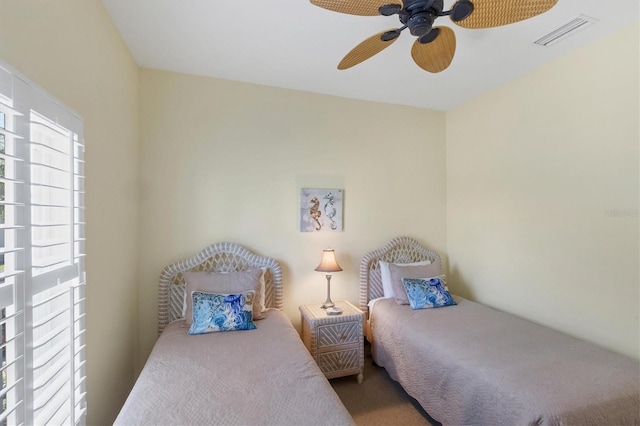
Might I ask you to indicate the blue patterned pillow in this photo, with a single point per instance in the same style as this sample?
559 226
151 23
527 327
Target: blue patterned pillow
428 292
222 312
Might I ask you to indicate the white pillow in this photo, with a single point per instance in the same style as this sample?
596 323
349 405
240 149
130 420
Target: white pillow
262 295
385 274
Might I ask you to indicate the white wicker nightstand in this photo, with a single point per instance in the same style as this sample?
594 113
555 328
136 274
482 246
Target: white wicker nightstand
336 342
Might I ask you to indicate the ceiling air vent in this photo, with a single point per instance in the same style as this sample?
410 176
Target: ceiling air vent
566 30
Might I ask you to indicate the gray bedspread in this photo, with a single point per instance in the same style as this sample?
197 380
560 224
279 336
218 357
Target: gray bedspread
473 365
255 377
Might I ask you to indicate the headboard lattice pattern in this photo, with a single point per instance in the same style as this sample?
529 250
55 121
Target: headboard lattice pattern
219 257
398 250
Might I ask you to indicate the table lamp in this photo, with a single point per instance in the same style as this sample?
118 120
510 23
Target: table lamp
329 264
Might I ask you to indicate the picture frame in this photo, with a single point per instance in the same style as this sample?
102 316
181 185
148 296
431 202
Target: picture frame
321 210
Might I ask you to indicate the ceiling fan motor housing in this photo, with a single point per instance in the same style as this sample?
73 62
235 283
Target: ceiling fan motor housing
419 15
420 23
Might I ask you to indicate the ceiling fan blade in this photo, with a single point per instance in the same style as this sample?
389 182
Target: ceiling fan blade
355 7
367 49
494 13
437 55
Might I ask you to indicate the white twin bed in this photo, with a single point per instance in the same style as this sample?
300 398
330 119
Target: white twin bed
261 376
468 364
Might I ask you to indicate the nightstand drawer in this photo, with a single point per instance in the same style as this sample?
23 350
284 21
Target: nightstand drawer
330 362
338 334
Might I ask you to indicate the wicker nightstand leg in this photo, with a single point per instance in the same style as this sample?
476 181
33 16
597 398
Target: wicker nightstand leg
360 378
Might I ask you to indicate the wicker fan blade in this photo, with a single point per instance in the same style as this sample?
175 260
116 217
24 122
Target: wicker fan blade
437 55
354 7
494 13
365 50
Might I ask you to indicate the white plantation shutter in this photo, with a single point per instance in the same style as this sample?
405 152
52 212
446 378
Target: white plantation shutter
42 312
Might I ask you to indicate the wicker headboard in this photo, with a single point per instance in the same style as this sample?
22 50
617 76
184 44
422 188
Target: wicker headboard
219 257
398 250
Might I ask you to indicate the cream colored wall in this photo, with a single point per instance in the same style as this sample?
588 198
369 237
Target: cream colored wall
225 161
71 49
532 169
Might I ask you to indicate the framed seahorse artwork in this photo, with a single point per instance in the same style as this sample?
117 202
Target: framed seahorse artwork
320 210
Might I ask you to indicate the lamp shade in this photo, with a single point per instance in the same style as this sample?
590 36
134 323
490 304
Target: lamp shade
328 262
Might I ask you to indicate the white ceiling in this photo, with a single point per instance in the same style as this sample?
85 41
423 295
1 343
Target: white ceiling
294 44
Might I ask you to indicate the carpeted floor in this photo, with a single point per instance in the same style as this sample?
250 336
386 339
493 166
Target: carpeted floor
379 400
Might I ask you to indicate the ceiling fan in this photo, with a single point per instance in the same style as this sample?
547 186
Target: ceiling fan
434 47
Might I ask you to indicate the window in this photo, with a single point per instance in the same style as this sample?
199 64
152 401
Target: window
42 267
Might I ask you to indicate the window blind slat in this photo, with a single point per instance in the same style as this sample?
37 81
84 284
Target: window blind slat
62 417
7 156
9 387
44 146
10 317
8 364
7 274
7 250
49 261
53 388
11 203
49 127
10 133
80 365
50 317
43 360
6 295
49 225
50 336
9 411
55 404
49 243
9 109
79 383
51 373
10 227
11 181
51 206
42 301
61 278
49 167
49 186
8 342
